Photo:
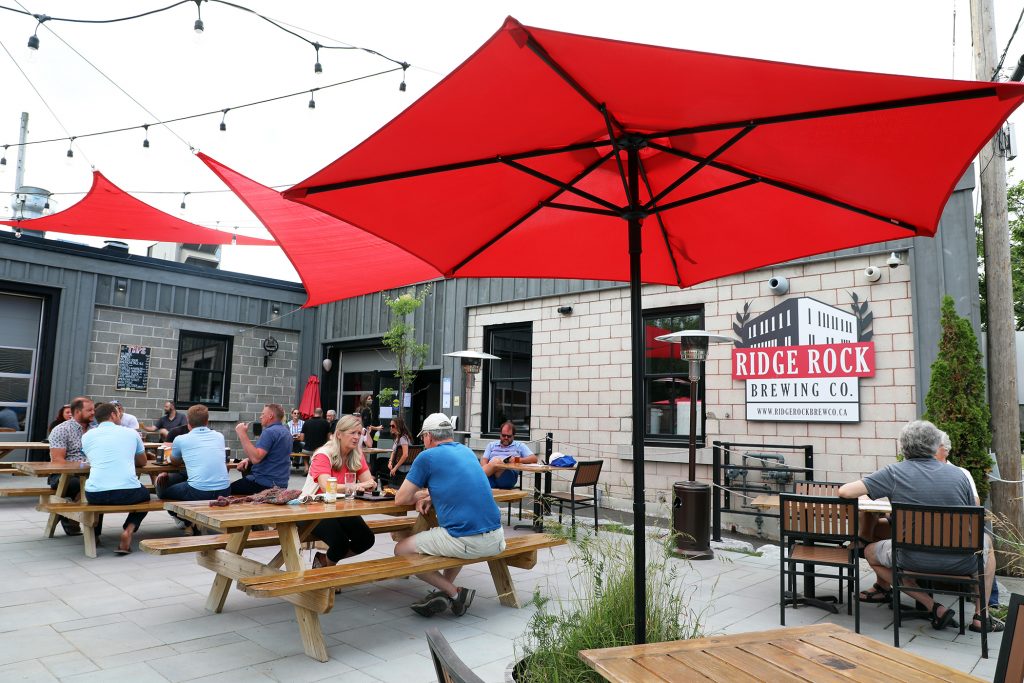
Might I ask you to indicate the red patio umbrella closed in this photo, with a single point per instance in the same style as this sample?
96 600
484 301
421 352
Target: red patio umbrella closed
310 398
549 154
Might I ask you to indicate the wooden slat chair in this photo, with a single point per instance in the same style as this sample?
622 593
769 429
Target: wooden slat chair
816 488
1010 665
586 476
805 522
942 531
449 668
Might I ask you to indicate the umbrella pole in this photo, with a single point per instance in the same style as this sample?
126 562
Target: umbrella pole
636 318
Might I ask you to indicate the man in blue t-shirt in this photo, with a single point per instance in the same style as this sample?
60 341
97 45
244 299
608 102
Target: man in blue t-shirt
446 476
268 463
506 449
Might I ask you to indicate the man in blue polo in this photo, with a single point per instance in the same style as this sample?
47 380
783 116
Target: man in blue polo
268 463
505 449
446 476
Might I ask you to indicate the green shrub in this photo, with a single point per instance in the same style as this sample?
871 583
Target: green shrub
957 402
599 611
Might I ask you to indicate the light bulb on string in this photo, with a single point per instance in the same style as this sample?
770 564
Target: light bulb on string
223 123
183 195
71 152
234 236
199 27
3 159
317 68
33 40
312 100
145 142
401 86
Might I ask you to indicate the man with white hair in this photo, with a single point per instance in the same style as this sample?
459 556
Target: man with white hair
447 476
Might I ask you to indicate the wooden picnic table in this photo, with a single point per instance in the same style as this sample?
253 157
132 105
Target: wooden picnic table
820 653
540 471
295 523
7 447
864 504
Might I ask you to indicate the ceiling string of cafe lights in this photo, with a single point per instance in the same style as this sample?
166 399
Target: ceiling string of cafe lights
199 27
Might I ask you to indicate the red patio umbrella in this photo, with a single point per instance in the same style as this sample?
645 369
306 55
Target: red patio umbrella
549 154
310 398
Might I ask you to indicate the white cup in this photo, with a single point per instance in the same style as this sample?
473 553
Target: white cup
349 485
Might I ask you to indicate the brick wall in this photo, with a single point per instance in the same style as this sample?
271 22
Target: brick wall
252 385
581 379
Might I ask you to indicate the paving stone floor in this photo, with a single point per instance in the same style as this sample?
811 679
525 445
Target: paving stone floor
141 618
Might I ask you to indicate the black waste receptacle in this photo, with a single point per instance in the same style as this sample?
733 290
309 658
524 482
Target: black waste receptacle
691 519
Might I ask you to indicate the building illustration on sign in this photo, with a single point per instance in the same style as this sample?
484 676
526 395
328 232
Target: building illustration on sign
803 359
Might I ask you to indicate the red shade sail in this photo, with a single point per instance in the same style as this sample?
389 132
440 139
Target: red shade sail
108 211
334 259
548 154
310 397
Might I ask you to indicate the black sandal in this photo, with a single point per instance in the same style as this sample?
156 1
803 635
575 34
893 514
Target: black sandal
876 594
994 625
939 623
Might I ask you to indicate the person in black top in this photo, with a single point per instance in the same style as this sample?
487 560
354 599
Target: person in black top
332 421
171 419
315 431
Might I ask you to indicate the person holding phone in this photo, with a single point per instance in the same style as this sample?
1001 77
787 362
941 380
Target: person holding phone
505 450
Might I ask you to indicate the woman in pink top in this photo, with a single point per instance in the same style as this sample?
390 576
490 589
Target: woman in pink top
344 536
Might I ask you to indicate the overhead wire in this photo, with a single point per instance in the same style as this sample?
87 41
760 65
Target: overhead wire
1002 57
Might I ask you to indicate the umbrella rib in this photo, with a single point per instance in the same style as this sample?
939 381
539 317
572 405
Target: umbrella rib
559 184
664 232
444 168
519 221
833 111
788 187
702 164
582 209
618 157
708 195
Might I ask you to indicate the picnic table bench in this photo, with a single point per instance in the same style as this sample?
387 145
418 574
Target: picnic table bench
88 515
311 591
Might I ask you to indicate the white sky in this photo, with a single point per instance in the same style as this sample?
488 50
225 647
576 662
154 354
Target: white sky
160 63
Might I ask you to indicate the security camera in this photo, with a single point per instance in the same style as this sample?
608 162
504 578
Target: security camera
565 310
778 285
872 274
893 261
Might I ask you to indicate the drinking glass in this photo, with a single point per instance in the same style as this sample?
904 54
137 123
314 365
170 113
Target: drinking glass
349 484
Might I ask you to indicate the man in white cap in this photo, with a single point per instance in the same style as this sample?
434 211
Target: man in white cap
448 476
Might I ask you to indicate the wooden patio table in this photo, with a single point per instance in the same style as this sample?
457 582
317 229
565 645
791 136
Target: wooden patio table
295 523
539 470
9 446
820 653
864 504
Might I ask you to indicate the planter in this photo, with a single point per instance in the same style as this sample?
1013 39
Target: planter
513 669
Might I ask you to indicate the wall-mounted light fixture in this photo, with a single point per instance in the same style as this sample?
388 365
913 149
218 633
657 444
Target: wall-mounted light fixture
271 346
275 310
121 285
565 310
328 364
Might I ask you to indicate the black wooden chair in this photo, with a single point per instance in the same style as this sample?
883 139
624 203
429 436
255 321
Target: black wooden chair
447 665
942 531
586 476
812 530
1010 665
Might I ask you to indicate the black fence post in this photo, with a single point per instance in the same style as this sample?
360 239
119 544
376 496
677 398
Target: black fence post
549 443
809 462
716 478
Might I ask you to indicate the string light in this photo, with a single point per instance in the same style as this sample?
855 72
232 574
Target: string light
198 27
401 86
223 124
183 195
317 69
145 142
71 152
312 100
33 41
3 159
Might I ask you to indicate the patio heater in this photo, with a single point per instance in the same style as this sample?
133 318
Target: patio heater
691 503
472 361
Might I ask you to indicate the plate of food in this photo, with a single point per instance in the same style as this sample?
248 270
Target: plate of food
387 493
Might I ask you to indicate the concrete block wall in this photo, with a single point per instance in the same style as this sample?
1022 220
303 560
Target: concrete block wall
581 377
252 385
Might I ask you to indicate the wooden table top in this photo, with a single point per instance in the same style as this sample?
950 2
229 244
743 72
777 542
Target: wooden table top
45 469
241 515
29 445
820 653
771 501
376 451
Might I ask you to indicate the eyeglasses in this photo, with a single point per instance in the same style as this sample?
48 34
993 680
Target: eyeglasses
507 436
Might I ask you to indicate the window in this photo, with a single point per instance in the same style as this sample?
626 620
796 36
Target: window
666 379
507 381
204 370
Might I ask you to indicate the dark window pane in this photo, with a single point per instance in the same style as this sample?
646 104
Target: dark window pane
507 384
204 370
666 378
16 361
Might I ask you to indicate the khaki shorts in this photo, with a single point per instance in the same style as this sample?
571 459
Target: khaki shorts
438 541
883 552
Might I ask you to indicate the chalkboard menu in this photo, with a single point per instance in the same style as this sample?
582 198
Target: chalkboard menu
133 368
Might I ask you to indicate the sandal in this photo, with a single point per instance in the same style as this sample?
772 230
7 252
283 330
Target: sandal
939 623
321 560
994 625
877 594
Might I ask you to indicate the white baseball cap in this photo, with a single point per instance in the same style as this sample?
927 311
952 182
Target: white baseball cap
435 421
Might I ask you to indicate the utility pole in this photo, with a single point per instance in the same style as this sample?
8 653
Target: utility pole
1000 335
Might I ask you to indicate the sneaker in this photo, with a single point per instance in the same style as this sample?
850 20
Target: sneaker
179 522
462 602
70 526
434 603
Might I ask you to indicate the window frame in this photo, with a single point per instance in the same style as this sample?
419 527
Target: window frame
486 382
674 440
229 342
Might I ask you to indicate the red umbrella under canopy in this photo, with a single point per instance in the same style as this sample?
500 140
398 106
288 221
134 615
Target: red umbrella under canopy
108 211
310 397
549 154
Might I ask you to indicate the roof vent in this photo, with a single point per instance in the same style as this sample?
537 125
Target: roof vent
115 245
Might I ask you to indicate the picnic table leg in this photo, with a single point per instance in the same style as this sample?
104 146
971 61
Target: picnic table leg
89 520
305 531
222 584
503 583
309 621
51 521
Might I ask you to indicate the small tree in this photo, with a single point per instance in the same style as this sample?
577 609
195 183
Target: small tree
400 339
956 400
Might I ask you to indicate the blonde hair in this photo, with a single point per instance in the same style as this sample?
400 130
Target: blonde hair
333 446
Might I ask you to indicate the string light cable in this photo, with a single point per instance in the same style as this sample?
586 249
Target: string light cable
1002 57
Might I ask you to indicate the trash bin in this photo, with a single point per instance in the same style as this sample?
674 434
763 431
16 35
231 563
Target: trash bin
691 519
